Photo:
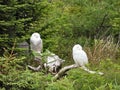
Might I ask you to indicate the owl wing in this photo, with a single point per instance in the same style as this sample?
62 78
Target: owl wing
36 45
41 46
80 57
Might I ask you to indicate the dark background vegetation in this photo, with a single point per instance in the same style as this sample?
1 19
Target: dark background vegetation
95 24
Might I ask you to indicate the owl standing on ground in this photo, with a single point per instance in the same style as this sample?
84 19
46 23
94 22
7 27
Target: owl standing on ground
36 43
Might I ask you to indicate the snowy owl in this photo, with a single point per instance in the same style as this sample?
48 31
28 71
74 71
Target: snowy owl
79 56
81 59
36 43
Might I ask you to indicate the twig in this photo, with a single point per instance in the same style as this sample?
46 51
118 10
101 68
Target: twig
35 68
90 71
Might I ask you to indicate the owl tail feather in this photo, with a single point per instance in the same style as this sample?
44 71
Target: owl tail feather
92 72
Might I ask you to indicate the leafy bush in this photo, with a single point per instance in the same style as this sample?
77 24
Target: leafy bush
85 81
63 84
21 80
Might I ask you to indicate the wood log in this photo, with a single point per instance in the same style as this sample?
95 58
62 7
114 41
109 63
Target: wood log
66 68
63 70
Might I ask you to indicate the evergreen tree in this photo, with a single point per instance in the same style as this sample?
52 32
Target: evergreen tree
17 18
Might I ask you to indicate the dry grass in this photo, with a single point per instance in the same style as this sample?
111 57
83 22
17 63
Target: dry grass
102 49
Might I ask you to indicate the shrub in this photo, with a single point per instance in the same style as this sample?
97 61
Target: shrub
103 49
22 80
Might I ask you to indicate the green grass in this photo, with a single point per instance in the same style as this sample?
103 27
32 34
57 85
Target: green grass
16 76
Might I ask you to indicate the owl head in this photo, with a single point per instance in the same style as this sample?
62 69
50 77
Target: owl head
77 47
36 35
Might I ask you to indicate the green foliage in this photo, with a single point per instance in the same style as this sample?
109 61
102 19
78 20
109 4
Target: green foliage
77 79
85 81
61 23
10 61
79 21
14 75
21 80
17 20
63 84
108 87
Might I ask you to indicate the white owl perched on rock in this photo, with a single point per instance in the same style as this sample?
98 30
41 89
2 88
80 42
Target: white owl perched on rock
36 43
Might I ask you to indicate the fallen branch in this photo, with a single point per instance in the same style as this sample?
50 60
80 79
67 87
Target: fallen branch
35 68
90 71
66 68
63 70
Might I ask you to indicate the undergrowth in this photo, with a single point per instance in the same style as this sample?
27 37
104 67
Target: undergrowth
78 79
75 79
102 49
15 75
